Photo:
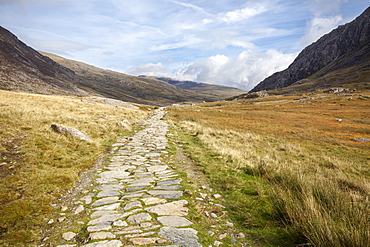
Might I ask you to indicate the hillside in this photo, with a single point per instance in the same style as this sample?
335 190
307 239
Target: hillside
345 47
219 91
24 69
117 85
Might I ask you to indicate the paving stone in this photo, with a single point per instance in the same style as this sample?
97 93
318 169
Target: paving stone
171 187
98 228
175 208
115 187
101 235
68 235
142 182
106 200
114 174
128 189
105 220
185 237
146 234
97 214
138 218
131 205
106 243
106 193
170 182
175 221
114 206
120 223
143 241
153 200
157 168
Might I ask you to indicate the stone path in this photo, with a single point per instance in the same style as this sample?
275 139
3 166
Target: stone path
137 200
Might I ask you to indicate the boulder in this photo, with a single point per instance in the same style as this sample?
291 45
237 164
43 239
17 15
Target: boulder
70 131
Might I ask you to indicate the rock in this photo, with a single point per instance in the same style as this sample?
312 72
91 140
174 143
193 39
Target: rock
104 201
98 228
51 221
70 131
114 206
175 208
213 215
101 235
125 124
106 193
185 237
143 241
157 168
61 219
169 194
222 236
170 182
106 243
114 174
105 220
68 235
138 218
361 140
153 200
78 209
135 204
120 223
175 221
217 243
240 235
217 196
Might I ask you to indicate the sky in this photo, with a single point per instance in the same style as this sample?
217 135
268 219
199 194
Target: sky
234 43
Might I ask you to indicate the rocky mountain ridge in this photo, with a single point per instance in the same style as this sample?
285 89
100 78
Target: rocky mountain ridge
344 47
219 91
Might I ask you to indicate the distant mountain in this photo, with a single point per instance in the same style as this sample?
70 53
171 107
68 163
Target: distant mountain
24 69
135 89
345 47
218 91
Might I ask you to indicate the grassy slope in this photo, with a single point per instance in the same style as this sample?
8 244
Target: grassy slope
143 90
38 165
288 167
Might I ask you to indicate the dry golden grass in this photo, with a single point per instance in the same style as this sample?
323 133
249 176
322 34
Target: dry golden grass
39 165
303 147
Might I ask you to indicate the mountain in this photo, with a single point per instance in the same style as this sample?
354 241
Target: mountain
218 91
345 47
24 69
135 89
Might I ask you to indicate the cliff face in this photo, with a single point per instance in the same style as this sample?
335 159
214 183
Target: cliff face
346 46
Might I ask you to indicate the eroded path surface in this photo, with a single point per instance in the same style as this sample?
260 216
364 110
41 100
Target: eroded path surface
137 197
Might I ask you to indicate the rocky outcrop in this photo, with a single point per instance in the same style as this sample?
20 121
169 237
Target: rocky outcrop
346 46
70 131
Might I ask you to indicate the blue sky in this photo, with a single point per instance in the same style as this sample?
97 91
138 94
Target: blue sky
229 42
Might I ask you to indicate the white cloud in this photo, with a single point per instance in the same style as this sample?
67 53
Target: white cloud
149 69
243 71
325 7
242 14
318 26
187 41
